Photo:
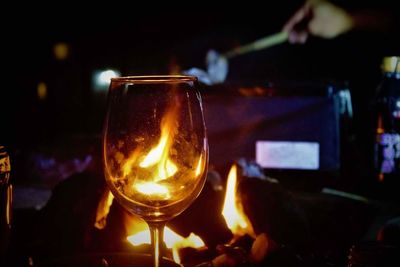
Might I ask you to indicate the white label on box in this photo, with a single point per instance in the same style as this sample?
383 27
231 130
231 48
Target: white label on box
288 155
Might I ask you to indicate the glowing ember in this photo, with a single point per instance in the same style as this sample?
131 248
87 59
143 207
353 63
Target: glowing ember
233 213
172 241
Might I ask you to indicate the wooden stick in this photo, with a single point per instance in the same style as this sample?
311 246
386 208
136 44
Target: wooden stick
262 43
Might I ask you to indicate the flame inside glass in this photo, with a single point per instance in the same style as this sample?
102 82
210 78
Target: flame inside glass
155 146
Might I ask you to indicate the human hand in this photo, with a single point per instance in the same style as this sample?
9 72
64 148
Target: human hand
320 18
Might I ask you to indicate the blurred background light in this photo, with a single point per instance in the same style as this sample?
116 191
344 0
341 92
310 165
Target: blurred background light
42 91
101 79
61 51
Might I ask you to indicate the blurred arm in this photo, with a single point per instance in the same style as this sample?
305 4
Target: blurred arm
323 19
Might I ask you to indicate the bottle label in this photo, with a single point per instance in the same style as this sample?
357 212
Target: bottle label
5 166
389 150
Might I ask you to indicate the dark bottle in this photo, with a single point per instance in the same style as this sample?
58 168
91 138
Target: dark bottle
5 204
387 143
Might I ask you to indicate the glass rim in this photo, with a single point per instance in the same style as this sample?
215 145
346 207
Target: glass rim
155 78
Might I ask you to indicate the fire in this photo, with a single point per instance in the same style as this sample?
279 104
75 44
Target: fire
233 213
199 167
103 209
151 188
156 161
172 240
192 241
158 156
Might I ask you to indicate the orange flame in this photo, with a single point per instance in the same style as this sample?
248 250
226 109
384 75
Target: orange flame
172 240
103 209
157 160
233 213
159 155
199 167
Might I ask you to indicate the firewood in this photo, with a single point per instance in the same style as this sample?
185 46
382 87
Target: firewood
262 246
193 256
272 210
204 216
66 222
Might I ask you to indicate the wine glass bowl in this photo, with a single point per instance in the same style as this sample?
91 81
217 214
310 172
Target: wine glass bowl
155 145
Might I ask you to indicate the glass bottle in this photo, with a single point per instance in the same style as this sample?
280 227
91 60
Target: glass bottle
5 203
387 142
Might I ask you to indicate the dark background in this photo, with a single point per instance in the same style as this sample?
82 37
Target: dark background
154 40
144 40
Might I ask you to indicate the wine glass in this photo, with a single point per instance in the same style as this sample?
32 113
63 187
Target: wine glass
155 148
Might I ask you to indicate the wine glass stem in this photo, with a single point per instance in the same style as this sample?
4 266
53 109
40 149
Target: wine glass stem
157 233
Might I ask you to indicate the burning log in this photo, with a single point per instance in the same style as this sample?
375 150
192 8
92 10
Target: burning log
253 207
204 216
65 224
266 222
260 248
272 210
81 217
172 241
193 257
231 256
113 237
263 253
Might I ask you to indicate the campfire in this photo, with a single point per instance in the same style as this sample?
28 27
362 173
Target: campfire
245 245
246 220
232 211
